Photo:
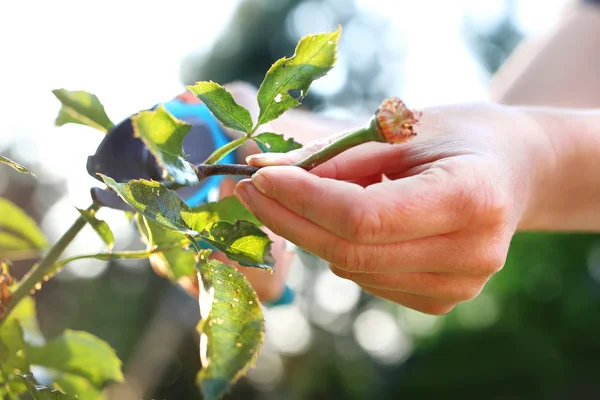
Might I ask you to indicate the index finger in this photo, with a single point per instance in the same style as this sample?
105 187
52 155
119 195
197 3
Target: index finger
422 205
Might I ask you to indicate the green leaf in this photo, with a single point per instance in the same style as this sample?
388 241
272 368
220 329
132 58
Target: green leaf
15 165
101 227
41 392
18 231
163 135
13 359
275 143
76 385
221 103
314 57
243 242
81 107
227 209
12 345
154 235
231 327
25 313
155 202
175 263
79 353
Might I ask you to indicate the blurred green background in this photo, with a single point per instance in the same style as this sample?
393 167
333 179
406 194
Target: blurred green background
532 334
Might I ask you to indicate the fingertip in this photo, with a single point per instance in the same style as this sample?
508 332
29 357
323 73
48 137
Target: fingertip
242 192
267 159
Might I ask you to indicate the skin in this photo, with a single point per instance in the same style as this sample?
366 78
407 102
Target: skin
426 223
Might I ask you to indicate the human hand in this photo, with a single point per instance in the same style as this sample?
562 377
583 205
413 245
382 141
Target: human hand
430 234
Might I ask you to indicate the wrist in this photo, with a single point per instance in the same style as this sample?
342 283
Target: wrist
565 189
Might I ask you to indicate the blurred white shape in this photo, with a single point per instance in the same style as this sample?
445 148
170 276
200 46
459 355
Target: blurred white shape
297 273
484 14
593 262
267 372
334 294
333 82
124 231
478 313
359 45
376 331
42 374
330 321
438 68
58 219
419 324
310 17
538 17
83 269
287 329
381 7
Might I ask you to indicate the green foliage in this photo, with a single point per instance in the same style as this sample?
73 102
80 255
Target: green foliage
242 241
79 353
25 314
81 107
41 392
314 57
163 135
101 227
13 358
155 202
69 383
231 323
12 344
81 362
177 260
227 209
15 165
223 106
231 327
18 231
275 143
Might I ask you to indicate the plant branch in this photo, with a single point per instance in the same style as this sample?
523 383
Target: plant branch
360 136
206 170
117 255
221 152
46 265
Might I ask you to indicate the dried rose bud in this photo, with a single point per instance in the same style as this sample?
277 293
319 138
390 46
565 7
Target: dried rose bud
392 123
395 121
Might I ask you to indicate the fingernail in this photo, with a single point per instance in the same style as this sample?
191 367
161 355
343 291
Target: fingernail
263 159
262 184
241 192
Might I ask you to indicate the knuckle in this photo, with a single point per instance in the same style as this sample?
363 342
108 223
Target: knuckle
362 225
467 292
487 261
345 256
435 307
340 272
490 204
